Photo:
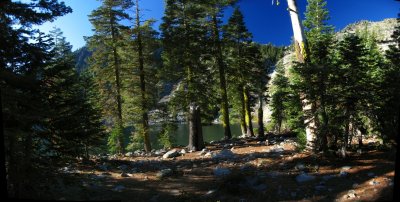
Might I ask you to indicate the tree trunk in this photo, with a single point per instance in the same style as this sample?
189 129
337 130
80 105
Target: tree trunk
260 116
222 81
243 126
249 125
301 54
145 116
324 132
196 142
120 140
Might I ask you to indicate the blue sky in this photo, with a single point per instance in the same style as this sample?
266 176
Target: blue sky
267 22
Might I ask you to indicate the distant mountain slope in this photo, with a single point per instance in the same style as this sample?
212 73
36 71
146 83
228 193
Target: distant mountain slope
81 56
382 30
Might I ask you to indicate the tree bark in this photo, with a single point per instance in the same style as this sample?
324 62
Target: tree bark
301 54
118 87
243 126
145 116
196 142
249 125
260 116
222 80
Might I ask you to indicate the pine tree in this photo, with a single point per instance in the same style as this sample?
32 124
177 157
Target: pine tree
22 57
237 39
270 55
72 123
316 70
184 37
105 63
279 96
140 58
215 12
349 82
389 110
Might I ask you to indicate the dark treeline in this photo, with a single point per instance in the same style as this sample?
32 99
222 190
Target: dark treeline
196 67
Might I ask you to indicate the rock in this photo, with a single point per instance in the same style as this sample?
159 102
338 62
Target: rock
300 166
211 192
208 154
164 173
304 177
355 185
232 148
129 154
373 182
346 168
171 154
203 152
277 150
224 154
266 142
123 174
119 188
183 151
351 194
220 172
343 173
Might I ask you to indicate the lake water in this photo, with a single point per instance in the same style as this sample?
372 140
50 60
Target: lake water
181 135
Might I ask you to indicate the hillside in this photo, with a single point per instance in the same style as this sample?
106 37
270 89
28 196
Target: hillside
382 30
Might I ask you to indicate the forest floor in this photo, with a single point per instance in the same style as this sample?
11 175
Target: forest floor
237 170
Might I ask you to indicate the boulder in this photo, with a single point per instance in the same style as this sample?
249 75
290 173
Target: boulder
129 154
277 150
123 174
300 166
183 151
203 152
164 173
224 154
208 154
171 154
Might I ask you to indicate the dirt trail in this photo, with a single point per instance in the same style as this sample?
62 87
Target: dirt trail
239 170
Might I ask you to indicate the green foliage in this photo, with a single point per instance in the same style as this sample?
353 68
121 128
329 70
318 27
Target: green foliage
113 139
166 138
301 139
23 58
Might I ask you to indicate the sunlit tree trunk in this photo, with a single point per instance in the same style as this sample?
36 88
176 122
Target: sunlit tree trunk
247 110
301 54
243 126
145 116
222 81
